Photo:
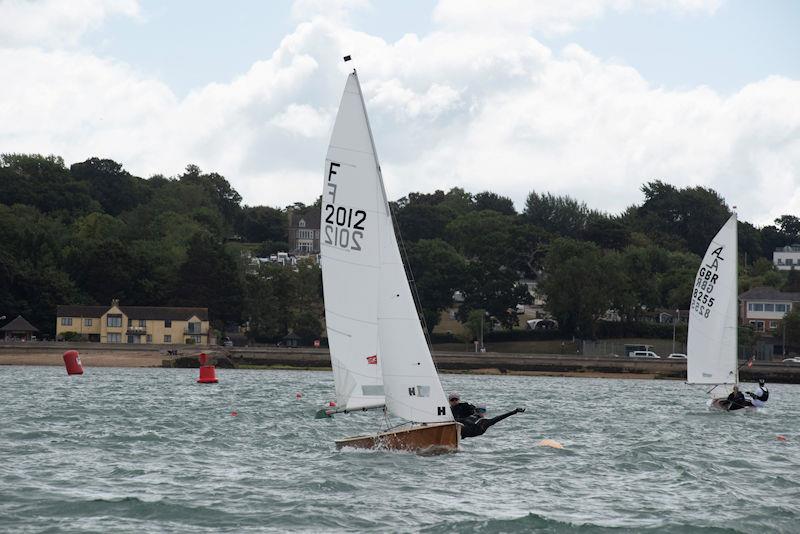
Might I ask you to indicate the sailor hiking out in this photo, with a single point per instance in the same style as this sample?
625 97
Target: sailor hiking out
472 419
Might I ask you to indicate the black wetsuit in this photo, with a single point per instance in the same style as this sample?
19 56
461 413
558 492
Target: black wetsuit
473 423
737 401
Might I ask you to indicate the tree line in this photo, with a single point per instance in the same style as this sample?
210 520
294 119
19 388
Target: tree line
91 231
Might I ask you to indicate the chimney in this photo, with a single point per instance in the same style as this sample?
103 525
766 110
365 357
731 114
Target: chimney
114 302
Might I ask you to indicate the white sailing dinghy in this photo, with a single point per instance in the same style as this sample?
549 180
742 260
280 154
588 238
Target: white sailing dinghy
378 350
713 331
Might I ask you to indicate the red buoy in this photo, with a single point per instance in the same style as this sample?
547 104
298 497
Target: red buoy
73 363
207 372
207 375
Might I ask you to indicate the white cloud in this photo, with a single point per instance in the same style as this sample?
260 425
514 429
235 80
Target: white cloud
480 110
56 22
548 16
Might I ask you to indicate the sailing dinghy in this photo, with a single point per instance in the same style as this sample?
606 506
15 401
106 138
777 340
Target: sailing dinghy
713 331
378 350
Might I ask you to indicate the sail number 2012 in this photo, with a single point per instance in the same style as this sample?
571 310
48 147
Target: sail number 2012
344 227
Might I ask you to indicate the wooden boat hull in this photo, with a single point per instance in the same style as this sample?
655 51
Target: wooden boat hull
432 437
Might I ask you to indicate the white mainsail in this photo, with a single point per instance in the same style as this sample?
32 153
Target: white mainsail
712 342
368 302
349 242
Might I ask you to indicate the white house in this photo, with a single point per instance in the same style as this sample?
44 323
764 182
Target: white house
787 258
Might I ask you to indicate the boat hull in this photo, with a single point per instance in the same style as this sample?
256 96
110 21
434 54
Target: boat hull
433 437
723 404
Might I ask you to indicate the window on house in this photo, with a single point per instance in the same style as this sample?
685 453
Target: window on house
194 328
757 325
149 338
130 323
66 321
114 321
780 307
167 338
758 307
143 322
115 338
773 325
769 307
302 223
87 322
167 323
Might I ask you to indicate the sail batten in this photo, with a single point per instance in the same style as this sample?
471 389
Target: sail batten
712 338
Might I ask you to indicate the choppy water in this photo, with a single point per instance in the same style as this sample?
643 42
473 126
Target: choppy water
149 450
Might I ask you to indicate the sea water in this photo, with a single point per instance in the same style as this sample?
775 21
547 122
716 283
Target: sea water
150 450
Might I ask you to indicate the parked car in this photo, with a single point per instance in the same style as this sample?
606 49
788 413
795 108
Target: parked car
227 342
676 356
644 354
795 359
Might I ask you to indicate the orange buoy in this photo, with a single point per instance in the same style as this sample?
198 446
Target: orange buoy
73 363
207 375
234 413
550 443
782 438
298 395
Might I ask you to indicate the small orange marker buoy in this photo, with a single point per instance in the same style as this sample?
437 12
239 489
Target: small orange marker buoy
298 395
234 413
332 404
550 443
73 363
782 438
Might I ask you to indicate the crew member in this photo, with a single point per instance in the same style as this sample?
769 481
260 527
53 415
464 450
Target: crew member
472 419
760 397
736 400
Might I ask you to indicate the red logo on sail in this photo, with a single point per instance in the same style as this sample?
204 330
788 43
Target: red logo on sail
372 360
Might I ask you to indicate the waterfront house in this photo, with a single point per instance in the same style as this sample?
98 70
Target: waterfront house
764 307
133 324
19 329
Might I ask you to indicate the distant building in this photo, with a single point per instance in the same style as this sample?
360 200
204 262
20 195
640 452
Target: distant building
134 324
787 258
19 329
304 232
764 307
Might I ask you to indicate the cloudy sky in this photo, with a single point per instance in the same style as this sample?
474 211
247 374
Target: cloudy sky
588 98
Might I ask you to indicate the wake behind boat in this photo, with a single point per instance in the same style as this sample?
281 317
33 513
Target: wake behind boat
378 350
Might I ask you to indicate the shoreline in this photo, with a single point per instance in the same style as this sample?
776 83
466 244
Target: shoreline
489 363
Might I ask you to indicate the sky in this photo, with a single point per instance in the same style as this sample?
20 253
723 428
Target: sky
590 98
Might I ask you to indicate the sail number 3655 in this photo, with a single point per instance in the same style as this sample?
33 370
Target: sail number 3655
344 227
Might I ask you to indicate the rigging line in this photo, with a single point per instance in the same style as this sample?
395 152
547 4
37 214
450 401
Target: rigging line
411 280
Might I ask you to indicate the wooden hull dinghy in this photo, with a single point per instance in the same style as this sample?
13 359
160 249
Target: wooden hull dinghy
378 349
432 437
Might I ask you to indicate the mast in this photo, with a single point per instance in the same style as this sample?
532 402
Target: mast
736 297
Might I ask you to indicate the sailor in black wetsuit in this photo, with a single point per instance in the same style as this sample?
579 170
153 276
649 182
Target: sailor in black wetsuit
474 424
760 397
736 400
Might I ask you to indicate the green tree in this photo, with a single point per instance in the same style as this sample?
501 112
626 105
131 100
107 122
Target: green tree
438 272
579 284
791 322
209 277
560 215
494 202
494 288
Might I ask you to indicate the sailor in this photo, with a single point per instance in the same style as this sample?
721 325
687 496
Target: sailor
760 397
736 400
471 418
